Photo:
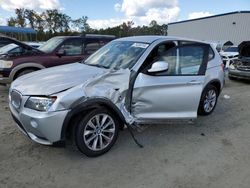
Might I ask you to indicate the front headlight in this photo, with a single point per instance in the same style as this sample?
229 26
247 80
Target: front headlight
5 64
42 104
232 66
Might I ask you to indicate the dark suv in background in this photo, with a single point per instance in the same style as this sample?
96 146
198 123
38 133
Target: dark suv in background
56 51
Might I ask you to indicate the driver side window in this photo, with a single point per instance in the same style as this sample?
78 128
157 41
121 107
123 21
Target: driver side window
72 47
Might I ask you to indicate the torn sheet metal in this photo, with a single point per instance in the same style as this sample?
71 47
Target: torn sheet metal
112 85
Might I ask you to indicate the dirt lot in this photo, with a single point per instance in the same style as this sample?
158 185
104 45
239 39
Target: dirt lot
213 152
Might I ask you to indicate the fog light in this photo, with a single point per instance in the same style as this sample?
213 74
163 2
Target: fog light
33 123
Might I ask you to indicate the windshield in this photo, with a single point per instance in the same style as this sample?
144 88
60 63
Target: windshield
51 44
7 48
117 55
231 49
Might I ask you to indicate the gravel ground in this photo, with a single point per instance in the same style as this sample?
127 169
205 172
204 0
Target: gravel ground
212 152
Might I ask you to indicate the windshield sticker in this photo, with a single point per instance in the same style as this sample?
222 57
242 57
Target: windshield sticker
140 45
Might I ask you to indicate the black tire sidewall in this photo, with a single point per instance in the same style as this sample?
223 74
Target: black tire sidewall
79 131
201 110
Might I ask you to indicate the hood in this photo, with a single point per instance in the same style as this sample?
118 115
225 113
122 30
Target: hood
9 40
53 80
244 49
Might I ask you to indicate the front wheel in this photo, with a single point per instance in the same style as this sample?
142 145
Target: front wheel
23 72
96 132
208 100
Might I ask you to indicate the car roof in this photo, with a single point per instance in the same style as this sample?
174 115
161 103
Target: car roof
153 38
88 36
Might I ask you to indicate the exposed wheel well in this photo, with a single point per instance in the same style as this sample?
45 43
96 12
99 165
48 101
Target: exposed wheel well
69 132
23 69
216 84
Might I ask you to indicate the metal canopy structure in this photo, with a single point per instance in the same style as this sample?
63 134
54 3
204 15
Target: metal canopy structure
20 33
9 29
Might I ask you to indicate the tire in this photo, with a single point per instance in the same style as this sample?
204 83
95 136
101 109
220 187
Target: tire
23 72
94 139
208 100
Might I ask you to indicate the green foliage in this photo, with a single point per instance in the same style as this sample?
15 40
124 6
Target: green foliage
54 23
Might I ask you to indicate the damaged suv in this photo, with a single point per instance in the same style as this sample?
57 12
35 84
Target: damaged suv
240 68
130 81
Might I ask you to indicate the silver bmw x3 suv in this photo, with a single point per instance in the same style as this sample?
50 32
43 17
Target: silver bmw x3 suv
130 81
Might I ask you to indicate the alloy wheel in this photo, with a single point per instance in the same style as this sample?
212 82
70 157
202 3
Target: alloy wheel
210 100
99 132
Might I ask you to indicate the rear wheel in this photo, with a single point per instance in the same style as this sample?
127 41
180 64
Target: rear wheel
96 132
208 100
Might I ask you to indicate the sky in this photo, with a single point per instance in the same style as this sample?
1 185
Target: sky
109 13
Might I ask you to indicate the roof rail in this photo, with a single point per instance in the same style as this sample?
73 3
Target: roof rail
98 35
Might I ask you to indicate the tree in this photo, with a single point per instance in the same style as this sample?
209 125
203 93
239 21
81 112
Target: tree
12 22
154 28
81 24
63 23
30 15
51 19
20 17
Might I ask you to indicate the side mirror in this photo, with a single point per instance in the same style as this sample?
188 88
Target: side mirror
158 66
61 52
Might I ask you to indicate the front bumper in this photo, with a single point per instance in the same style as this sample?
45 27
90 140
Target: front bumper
227 61
42 127
245 75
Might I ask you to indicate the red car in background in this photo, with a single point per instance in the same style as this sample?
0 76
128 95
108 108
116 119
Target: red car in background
56 51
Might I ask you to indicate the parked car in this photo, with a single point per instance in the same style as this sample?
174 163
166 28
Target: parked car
15 50
56 51
229 54
35 44
132 81
240 69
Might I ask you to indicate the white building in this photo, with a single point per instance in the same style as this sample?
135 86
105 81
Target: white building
233 26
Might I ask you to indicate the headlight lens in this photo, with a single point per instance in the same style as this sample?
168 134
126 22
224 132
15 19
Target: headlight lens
5 64
42 104
232 66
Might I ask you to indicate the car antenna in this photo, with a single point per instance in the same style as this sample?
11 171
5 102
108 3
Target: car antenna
133 136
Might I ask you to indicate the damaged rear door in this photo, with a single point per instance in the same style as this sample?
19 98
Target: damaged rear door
175 92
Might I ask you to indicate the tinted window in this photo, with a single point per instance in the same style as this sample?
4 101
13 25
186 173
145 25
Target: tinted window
210 54
91 47
16 50
51 44
72 47
183 60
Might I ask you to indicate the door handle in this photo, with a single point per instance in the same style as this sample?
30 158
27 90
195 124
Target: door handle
194 82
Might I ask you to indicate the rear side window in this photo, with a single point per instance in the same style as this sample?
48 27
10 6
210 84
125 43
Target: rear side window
190 59
210 54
